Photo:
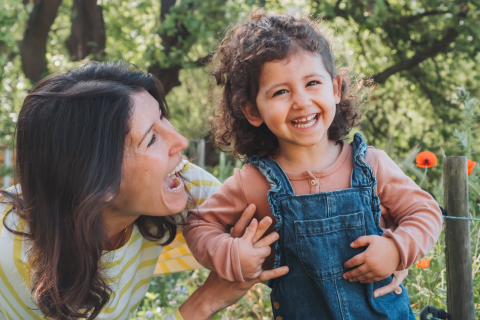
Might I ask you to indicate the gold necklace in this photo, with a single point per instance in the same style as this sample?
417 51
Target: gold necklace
123 236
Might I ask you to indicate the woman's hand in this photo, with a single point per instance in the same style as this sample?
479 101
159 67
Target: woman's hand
216 293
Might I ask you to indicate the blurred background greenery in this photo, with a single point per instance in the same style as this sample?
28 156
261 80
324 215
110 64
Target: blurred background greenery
416 52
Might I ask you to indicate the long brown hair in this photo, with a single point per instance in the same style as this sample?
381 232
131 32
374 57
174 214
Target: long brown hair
239 61
70 139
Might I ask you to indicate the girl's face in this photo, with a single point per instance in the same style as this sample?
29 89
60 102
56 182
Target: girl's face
152 151
297 100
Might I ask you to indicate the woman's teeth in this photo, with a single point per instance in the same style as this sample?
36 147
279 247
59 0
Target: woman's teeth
176 179
177 169
305 122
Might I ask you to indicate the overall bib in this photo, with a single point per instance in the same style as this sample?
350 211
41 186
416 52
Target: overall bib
315 235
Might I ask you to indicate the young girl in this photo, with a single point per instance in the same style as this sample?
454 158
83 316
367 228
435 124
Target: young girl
286 108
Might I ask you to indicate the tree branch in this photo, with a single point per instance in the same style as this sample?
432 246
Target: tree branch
438 46
88 30
169 75
34 44
403 21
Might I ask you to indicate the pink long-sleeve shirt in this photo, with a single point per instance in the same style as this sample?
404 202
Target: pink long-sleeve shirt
410 216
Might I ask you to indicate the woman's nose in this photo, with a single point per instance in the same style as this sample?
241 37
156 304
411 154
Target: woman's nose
179 142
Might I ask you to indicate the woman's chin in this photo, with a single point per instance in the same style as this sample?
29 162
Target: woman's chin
174 201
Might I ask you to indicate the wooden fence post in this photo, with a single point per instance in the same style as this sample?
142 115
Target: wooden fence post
457 240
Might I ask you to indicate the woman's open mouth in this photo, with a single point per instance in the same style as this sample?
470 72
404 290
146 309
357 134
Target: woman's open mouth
307 122
172 181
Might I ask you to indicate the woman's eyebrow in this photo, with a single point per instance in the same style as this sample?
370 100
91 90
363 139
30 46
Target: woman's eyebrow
145 134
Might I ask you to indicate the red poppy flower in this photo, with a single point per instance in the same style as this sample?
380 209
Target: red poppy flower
426 159
471 165
424 263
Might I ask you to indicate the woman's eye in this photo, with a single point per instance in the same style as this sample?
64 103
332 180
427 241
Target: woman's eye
154 137
280 92
312 83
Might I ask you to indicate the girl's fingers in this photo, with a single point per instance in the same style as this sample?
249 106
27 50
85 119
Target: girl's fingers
267 241
243 222
251 230
362 241
355 261
263 252
392 286
355 273
364 277
271 274
262 228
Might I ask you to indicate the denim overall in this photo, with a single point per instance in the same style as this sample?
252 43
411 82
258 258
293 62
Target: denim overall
315 235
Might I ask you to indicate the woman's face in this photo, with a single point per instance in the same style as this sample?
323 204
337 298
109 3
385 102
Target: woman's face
152 151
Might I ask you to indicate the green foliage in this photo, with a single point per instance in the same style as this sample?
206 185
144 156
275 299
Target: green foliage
190 103
413 109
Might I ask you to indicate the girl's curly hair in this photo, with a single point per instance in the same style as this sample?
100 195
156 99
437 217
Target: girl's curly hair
240 58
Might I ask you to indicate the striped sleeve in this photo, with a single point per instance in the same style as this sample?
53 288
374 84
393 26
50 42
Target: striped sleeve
175 315
176 256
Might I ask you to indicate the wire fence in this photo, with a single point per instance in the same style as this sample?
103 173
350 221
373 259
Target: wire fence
444 212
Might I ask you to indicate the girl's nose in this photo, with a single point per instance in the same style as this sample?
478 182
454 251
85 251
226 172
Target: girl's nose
301 100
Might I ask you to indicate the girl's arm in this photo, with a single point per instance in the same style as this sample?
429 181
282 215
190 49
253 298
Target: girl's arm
208 230
413 218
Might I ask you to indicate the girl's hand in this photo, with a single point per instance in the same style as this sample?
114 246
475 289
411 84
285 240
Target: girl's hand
216 293
379 261
252 249
397 278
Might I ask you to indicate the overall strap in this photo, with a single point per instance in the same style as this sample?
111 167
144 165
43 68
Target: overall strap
363 176
280 186
274 174
362 173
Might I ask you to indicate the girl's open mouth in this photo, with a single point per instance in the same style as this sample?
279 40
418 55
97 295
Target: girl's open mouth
307 122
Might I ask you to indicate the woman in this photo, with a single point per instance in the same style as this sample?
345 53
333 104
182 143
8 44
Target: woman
97 163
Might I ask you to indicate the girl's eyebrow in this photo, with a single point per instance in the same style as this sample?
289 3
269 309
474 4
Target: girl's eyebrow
314 75
305 77
275 85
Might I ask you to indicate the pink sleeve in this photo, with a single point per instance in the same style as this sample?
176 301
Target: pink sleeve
208 230
415 215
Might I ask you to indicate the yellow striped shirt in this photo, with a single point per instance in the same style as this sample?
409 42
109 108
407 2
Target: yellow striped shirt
129 269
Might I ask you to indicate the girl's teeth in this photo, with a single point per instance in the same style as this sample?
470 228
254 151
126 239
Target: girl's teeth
306 125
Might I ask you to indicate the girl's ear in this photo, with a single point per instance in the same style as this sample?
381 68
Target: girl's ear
252 115
337 88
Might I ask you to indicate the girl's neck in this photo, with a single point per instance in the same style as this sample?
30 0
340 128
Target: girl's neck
297 159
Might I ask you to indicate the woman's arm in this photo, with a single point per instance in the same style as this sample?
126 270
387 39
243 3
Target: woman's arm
216 293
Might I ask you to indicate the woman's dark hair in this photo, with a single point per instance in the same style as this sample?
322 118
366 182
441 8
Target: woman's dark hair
241 56
70 140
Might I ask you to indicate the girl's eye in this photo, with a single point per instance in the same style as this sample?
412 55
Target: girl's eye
312 83
154 137
280 92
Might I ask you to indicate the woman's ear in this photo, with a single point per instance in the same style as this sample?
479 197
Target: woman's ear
337 88
252 115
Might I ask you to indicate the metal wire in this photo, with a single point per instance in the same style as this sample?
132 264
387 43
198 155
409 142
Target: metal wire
429 317
461 218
